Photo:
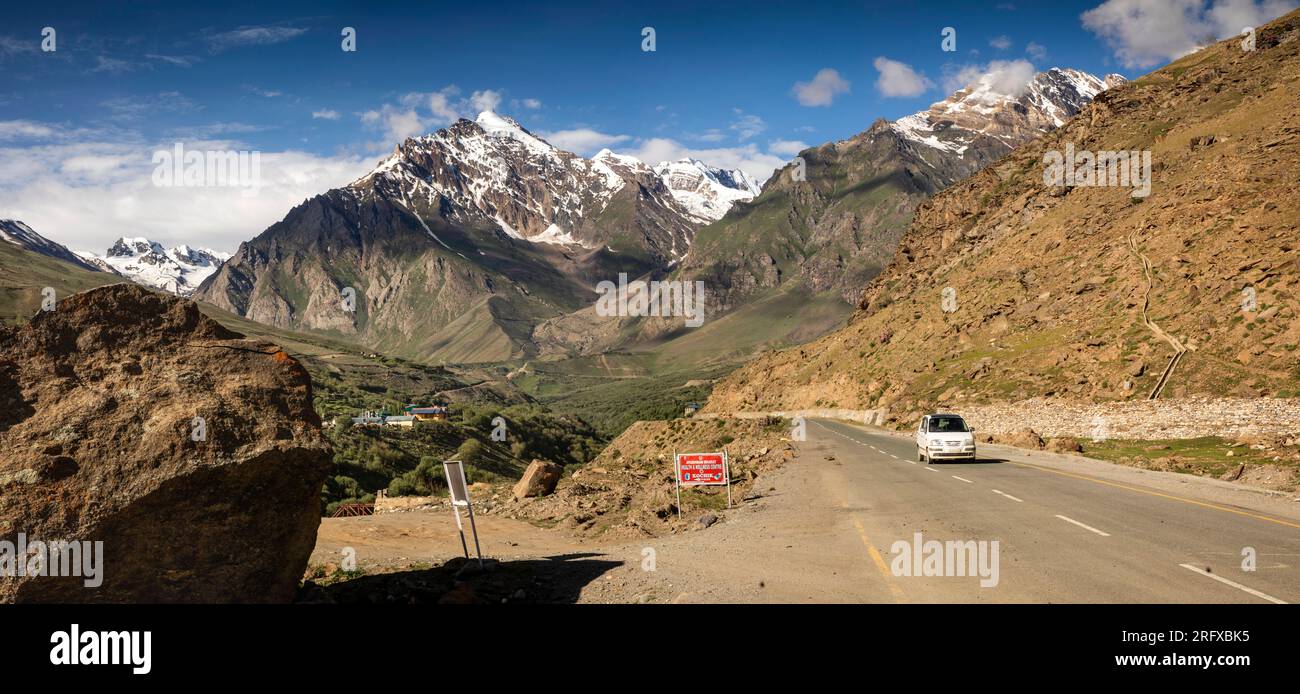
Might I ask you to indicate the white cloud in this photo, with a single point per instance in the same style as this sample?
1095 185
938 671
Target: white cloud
486 100
786 147
747 125
396 123
998 78
1036 51
531 104
442 104
1146 33
1000 42
325 114
899 79
823 88
419 113
86 194
584 141
747 158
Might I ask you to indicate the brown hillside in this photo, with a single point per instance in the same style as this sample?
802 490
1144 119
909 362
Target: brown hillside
1050 281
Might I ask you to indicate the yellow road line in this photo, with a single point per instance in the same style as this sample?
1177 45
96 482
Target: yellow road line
1161 494
877 559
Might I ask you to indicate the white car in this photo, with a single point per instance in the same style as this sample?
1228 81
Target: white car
946 437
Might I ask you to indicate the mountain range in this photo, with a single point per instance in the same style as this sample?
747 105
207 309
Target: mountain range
483 242
461 242
178 270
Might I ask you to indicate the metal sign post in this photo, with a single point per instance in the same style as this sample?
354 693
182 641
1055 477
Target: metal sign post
454 472
726 468
677 481
701 470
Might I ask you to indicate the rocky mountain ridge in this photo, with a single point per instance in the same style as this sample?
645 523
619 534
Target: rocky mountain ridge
1007 287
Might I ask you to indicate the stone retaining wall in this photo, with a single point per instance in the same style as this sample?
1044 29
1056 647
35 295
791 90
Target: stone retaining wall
1140 419
1135 419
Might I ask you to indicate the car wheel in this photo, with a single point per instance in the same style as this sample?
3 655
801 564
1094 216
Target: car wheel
920 457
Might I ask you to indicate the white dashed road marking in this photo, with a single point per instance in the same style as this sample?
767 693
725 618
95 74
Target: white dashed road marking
963 479
1234 584
995 491
1081 525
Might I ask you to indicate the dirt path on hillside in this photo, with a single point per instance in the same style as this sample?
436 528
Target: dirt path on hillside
1179 349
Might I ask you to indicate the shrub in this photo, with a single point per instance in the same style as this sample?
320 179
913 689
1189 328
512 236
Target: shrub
470 452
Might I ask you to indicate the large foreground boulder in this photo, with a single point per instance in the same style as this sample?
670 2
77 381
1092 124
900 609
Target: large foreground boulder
195 456
539 479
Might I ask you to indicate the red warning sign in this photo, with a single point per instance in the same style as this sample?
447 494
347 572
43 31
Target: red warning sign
695 469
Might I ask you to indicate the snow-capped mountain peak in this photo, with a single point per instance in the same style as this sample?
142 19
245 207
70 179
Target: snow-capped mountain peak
705 191
1009 107
492 170
504 126
179 270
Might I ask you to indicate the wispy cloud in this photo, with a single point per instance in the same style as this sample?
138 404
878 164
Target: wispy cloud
746 125
325 114
252 36
584 141
130 108
10 45
104 63
177 60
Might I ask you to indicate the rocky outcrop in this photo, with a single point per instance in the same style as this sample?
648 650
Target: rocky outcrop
194 456
538 480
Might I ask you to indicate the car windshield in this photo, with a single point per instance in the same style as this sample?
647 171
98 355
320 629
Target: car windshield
943 424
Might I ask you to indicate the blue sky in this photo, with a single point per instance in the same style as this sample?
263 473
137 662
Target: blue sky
736 84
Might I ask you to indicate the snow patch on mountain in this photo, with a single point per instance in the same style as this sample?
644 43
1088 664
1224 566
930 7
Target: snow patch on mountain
706 192
179 269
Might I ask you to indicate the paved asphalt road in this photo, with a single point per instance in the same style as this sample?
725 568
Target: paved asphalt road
1064 535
